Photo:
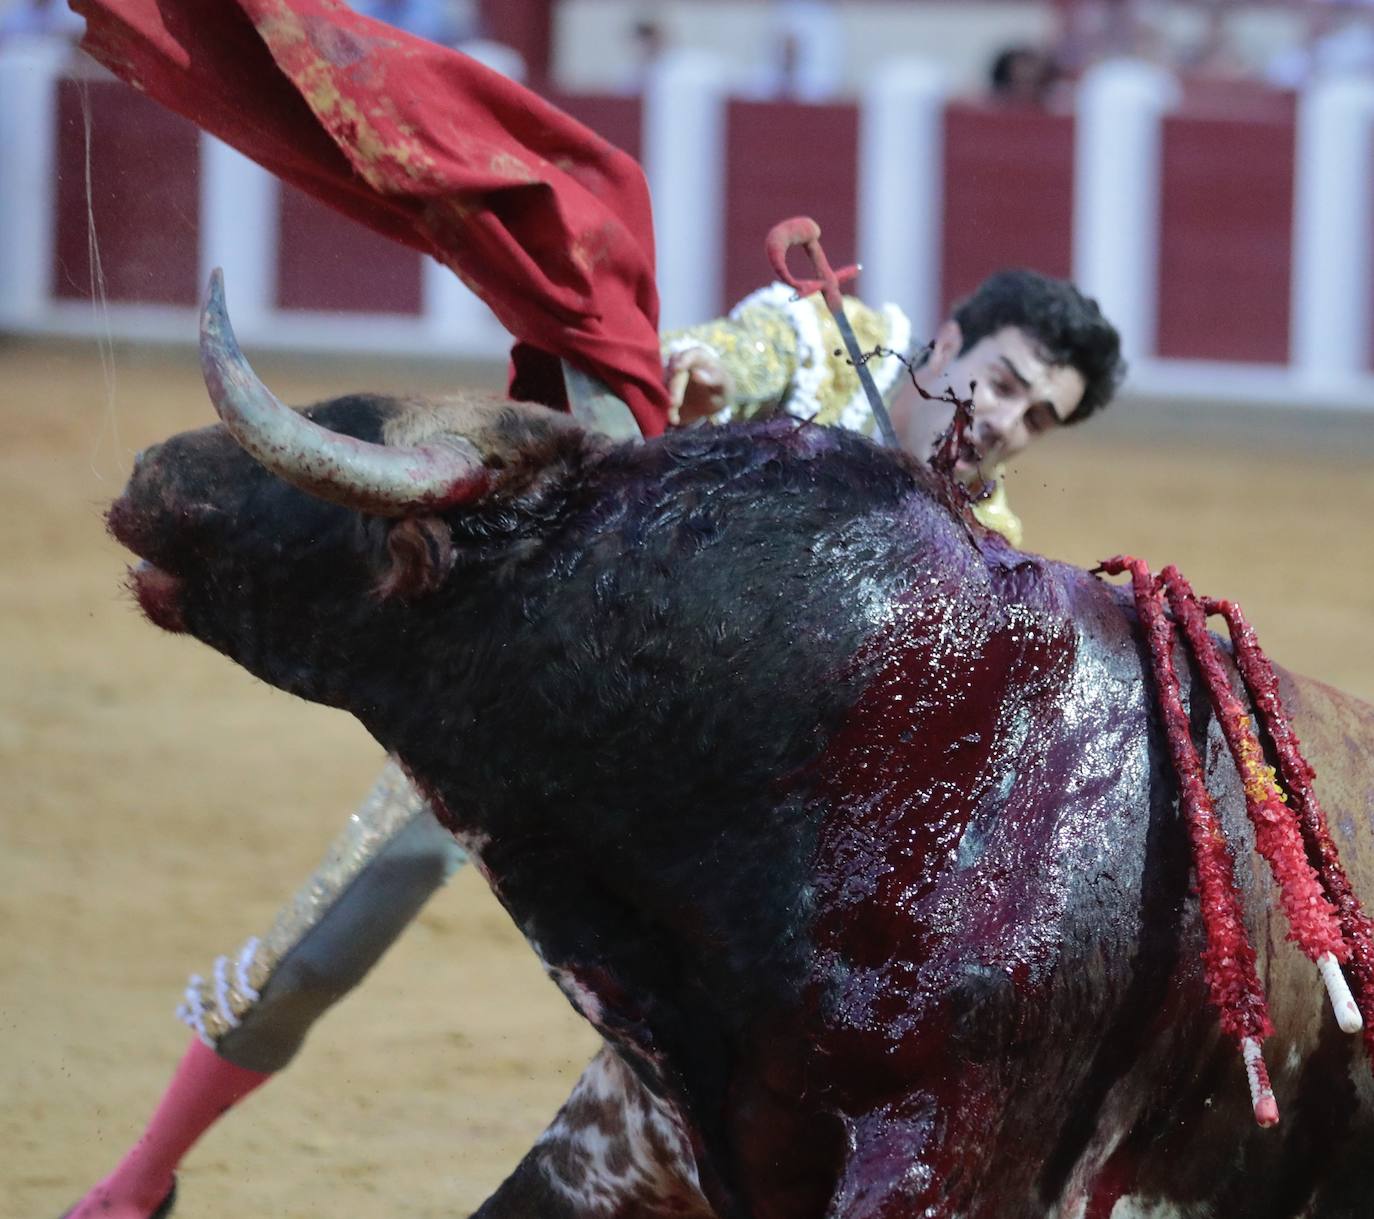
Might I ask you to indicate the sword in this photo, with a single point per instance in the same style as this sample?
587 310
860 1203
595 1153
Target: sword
593 405
805 232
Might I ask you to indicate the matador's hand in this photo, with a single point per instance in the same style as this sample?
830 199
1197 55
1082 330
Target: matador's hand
698 384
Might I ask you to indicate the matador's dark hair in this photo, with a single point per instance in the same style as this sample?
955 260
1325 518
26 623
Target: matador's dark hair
1065 325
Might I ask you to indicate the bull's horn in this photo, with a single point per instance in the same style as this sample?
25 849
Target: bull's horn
372 478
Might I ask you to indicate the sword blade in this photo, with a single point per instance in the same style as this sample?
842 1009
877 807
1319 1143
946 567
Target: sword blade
596 408
875 399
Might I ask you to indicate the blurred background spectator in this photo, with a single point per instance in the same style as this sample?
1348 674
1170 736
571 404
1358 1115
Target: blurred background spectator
447 22
1093 30
43 18
1024 76
1212 54
648 41
1339 40
802 54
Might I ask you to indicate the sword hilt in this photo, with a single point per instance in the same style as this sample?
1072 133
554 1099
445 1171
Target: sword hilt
805 232
802 231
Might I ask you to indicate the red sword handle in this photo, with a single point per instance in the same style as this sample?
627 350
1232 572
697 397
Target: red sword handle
805 232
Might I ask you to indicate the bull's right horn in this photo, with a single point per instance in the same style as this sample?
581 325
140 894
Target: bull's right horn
376 478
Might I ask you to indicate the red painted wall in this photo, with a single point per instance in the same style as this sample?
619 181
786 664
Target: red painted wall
329 262
526 25
1226 208
1008 195
786 159
1226 231
617 119
145 202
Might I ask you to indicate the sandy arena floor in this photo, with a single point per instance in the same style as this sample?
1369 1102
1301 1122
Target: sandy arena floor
159 804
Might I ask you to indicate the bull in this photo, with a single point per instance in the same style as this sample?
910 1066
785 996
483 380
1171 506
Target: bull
848 826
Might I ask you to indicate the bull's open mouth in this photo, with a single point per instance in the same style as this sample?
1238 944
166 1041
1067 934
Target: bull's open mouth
158 593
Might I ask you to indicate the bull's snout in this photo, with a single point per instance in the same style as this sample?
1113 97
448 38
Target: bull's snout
157 591
137 520
159 596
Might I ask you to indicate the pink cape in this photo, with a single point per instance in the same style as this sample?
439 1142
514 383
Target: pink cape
542 218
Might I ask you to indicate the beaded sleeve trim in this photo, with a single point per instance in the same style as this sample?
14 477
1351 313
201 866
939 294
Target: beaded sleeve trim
213 1006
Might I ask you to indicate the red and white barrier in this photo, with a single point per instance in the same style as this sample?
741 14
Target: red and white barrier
1333 234
901 200
29 71
684 132
1232 242
1116 181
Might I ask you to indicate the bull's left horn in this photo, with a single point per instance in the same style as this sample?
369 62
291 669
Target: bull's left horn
376 478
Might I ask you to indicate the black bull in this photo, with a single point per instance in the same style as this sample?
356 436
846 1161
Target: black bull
850 827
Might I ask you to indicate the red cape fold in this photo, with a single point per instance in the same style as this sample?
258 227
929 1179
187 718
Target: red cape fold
542 218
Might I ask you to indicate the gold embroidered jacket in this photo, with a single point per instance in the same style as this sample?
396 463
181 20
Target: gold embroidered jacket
785 354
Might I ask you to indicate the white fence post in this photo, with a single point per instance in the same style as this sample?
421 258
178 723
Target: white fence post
901 189
1333 229
497 56
1116 191
239 233
684 159
29 71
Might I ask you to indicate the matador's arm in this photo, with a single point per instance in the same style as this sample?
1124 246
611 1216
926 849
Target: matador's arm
785 354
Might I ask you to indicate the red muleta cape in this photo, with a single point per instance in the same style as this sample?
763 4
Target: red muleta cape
542 218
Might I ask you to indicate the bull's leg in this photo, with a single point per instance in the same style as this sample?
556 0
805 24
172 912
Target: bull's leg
252 1015
613 1149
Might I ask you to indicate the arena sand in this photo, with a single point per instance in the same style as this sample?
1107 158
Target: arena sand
159 803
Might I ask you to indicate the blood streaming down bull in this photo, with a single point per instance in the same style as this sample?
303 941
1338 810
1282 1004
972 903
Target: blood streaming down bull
850 827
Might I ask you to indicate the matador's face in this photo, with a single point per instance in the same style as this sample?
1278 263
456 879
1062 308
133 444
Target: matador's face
1017 394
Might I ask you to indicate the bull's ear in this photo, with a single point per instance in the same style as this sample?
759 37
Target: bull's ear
419 554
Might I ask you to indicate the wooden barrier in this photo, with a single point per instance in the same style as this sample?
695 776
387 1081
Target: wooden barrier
1233 269
1008 191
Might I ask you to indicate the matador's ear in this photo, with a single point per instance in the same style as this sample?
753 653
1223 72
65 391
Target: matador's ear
949 341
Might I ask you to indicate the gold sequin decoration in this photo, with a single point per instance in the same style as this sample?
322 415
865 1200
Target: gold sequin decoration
391 805
761 346
758 348
841 382
995 512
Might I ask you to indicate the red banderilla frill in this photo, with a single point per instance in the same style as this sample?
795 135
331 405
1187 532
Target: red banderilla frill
1312 921
1325 918
1229 958
1357 929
